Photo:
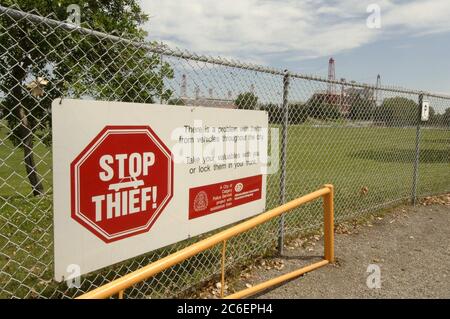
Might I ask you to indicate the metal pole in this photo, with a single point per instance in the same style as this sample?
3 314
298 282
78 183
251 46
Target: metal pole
416 159
222 279
328 224
284 136
162 76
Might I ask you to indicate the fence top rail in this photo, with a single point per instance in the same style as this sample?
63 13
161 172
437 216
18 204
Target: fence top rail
151 47
152 269
160 48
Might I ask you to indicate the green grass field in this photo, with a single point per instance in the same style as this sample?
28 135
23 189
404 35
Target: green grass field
378 159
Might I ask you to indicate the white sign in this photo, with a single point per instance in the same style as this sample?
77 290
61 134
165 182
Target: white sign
425 111
130 178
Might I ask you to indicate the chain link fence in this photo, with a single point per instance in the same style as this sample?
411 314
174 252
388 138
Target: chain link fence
366 140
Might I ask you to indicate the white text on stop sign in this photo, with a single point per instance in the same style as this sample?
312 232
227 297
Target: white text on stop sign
129 196
124 203
137 164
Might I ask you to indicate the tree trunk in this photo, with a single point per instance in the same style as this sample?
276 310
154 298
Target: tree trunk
25 132
28 155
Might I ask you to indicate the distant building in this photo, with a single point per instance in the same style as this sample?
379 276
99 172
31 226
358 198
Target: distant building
343 100
363 93
340 95
198 100
209 102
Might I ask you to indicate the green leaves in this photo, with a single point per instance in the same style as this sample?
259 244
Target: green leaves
247 101
398 111
75 64
40 62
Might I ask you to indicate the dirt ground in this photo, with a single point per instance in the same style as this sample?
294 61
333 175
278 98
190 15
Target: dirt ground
409 244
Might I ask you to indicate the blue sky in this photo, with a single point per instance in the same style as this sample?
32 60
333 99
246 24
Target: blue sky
410 49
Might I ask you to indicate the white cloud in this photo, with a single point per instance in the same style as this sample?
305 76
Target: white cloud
289 29
420 17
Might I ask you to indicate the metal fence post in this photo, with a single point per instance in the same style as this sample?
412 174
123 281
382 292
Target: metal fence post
416 159
284 137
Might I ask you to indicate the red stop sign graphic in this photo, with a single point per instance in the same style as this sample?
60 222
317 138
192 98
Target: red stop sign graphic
121 182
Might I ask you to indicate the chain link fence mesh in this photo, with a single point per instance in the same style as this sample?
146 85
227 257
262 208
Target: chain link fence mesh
368 141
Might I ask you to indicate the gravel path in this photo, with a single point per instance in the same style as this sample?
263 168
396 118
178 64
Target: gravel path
410 245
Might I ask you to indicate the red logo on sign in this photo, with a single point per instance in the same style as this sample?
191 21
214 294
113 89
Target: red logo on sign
209 199
121 182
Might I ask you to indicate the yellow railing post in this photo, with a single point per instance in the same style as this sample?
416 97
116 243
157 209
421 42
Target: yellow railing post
328 226
222 287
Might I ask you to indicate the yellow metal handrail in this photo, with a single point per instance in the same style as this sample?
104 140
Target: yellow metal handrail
119 285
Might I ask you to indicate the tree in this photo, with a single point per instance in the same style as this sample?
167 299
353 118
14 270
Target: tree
432 114
361 108
398 111
441 120
56 62
298 113
274 112
176 101
246 101
320 106
446 118
2 110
